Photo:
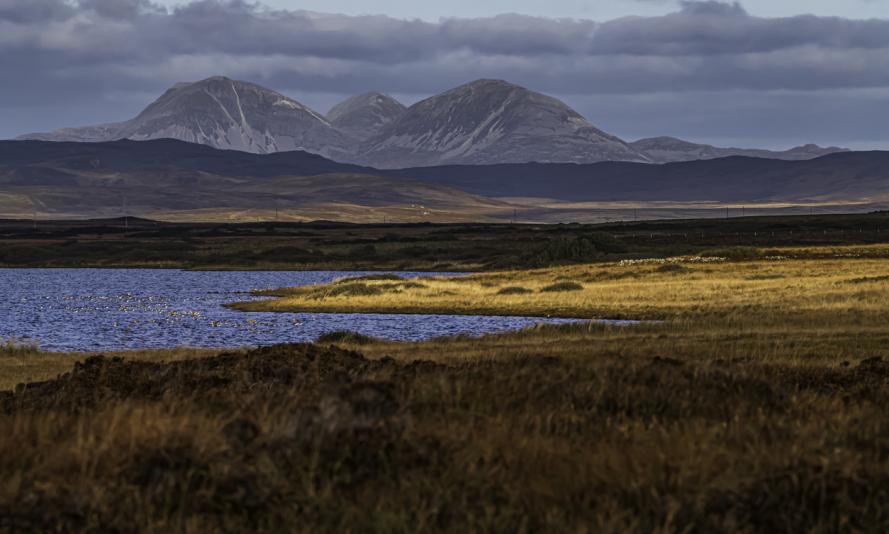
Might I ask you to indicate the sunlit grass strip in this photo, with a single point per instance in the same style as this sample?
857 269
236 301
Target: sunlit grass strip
632 290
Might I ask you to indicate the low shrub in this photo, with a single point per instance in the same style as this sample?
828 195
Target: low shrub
408 285
346 336
514 290
561 286
765 277
674 268
351 289
363 251
579 249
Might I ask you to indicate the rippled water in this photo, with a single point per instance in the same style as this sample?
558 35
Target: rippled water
116 309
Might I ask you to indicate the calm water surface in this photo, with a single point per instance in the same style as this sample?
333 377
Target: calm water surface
116 309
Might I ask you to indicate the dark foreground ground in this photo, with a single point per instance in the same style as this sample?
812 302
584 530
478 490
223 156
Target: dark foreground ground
433 247
316 438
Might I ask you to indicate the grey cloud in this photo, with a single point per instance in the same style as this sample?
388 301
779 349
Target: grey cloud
82 51
121 9
34 11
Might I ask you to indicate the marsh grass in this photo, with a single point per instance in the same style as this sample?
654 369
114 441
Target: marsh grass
823 281
14 348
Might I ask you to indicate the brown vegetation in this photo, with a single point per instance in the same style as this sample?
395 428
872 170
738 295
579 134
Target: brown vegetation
732 424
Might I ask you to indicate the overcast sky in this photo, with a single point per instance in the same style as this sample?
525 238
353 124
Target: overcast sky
757 73
582 9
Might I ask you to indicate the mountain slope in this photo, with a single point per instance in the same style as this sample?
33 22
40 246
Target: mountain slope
364 116
671 149
126 155
487 122
174 179
221 113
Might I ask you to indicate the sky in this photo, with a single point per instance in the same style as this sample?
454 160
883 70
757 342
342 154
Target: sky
756 73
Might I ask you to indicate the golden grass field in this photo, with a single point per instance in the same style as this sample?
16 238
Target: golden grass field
753 401
791 281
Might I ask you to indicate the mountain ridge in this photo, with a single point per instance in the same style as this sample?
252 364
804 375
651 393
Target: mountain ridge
666 149
484 122
221 113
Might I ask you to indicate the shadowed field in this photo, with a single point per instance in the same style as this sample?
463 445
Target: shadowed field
286 245
662 427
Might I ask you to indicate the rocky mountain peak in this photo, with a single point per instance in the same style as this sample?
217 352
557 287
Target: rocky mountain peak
491 121
364 116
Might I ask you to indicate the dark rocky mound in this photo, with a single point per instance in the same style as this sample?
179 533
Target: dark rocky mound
306 370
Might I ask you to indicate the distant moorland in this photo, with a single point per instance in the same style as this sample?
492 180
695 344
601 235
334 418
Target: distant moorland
177 181
134 242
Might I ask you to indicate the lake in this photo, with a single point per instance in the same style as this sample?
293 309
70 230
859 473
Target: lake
118 309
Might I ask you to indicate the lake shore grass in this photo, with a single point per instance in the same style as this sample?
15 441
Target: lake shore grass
786 281
756 403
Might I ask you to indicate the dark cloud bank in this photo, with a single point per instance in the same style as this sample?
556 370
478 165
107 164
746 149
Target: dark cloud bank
710 71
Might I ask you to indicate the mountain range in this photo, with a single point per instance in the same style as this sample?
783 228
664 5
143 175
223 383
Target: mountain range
481 123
